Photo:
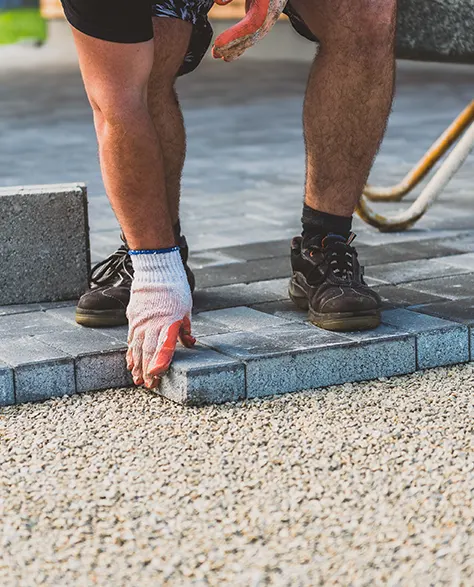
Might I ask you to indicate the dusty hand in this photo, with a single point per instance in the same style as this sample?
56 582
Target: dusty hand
159 313
259 20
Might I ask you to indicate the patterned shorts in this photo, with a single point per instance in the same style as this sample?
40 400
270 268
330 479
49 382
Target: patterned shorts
130 21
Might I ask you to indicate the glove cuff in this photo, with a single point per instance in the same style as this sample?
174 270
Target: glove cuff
159 267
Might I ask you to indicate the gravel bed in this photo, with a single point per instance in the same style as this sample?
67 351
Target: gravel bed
367 484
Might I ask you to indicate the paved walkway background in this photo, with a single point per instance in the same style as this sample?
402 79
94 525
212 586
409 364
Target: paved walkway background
244 174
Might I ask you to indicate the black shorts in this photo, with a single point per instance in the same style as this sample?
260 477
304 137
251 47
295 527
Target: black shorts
130 21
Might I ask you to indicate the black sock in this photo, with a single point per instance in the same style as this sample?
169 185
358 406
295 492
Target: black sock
317 223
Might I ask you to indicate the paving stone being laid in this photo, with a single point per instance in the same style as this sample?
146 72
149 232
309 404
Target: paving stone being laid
7 386
201 376
50 262
40 372
438 342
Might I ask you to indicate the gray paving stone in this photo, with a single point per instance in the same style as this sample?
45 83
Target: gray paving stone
99 360
19 309
30 324
201 326
67 316
7 387
437 31
244 319
396 295
439 342
270 371
282 309
229 296
454 310
465 261
255 251
455 287
51 261
202 376
41 372
380 255
407 271
247 272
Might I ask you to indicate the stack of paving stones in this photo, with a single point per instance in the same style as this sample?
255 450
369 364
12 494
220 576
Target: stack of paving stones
251 341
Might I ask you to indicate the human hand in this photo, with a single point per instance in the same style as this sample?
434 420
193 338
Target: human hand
159 314
261 16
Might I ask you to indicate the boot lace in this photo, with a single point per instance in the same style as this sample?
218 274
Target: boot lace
115 270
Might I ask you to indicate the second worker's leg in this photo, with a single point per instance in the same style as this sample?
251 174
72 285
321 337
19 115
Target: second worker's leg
347 104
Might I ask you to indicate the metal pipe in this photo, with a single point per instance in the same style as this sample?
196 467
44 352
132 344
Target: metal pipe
428 196
426 164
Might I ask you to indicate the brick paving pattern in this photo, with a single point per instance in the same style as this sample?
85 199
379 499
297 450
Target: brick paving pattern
241 202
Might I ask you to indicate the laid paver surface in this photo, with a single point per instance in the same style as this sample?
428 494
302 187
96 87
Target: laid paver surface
367 484
241 202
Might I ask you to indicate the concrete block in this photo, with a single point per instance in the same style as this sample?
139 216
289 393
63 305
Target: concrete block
435 31
271 371
201 376
439 342
45 243
7 387
99 360
40 372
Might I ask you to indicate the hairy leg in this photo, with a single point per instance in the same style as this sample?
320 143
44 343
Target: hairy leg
348 97
163 102
116 81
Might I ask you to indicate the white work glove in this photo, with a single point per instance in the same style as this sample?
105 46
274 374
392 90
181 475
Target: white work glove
159 313
260 18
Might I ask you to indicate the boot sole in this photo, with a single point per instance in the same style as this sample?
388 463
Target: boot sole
338 321
101 318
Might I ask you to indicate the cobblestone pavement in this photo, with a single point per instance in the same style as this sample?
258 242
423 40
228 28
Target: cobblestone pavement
368 484
242 194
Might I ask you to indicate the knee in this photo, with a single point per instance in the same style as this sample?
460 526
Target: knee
363 28
118 107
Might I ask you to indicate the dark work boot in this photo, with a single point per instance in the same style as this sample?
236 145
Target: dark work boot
105 303
328 282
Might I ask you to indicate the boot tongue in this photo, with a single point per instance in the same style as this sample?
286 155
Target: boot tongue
310 242
332 238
